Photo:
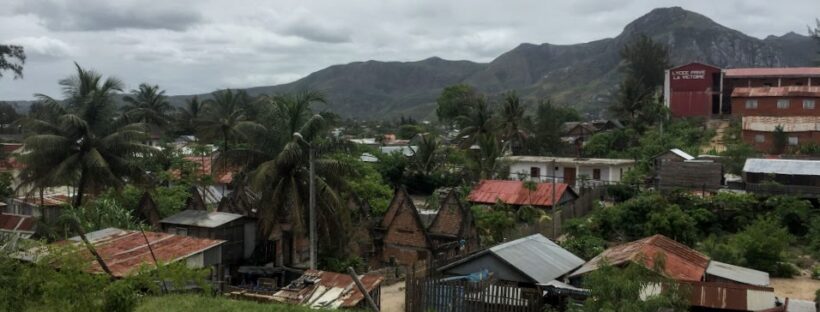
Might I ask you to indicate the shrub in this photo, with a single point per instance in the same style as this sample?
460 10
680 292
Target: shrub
761 245
120 296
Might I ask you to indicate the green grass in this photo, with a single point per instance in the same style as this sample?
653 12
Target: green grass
197 303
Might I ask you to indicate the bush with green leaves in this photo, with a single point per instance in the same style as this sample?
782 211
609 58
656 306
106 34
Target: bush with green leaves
580 240
623 289
761 245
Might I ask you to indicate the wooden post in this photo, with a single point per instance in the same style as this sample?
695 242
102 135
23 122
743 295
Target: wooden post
156 263
366 294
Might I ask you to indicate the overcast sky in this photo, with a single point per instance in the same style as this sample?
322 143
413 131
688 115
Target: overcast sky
196 46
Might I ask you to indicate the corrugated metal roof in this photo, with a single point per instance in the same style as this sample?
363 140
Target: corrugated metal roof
738 273
682 154
406 150
514 193
538 257
16 223
535 256
789 123
782 166
772 72
201 218
322 289
776 91
564 161
124 252
682 262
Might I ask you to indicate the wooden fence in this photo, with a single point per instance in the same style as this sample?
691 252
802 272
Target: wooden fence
431 294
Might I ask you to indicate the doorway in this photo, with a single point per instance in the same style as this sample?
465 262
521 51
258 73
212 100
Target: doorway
569 175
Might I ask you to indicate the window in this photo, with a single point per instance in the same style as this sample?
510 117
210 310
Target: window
535 172
182 231
596 174
783 103
808 104
751 104
792 140
759 138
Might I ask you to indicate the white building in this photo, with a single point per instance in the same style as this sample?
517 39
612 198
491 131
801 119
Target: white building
572 171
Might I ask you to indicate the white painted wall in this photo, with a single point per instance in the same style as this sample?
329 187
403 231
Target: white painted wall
612 174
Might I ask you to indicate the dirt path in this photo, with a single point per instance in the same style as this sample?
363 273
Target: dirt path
802 287
393 298
716 143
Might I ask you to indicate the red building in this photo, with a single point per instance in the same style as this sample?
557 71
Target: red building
693 90
700 90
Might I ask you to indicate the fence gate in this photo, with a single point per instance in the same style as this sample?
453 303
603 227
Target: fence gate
429 294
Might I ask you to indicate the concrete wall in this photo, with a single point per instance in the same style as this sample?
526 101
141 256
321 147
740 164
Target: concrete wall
611 174
767 106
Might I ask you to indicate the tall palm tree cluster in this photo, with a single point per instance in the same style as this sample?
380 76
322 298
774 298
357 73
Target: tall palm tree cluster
89 141
490 130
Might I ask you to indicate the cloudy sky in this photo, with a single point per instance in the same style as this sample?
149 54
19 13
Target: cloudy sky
196 46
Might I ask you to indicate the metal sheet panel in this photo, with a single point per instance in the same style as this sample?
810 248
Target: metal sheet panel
538 257
738 273
201 218
782 166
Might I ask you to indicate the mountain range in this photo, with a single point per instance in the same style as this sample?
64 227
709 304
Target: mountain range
582 75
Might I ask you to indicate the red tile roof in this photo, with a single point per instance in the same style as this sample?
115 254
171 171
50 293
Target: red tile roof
772 72
802 91
682 262
126 251
514 193
16 223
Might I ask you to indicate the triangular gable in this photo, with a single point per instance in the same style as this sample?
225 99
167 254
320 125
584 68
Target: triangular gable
403 224
148 210
241 201
195 201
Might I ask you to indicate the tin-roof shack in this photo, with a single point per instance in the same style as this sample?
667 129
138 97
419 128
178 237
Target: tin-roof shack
700 175
529 261
783 177
125 252
238 231
47 208
330 290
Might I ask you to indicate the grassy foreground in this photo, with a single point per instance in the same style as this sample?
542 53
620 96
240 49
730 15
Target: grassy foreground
175 303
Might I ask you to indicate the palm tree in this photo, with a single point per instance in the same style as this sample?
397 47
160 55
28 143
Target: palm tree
293 110
148 105
81 145
188 114
224 119
477 123
427 156
512 118
283 183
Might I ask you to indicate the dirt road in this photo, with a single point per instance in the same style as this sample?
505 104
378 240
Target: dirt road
802 287
393 298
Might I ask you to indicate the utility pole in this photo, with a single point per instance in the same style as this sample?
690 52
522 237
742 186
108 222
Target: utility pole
554 200
312 195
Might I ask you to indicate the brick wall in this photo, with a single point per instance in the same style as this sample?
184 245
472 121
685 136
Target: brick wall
768 143
767 106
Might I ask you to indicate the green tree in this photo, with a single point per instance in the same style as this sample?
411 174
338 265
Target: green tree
547 127
815 33
779 140
581 240
794 213
513 122
7 55
148 104
637 98
83 147
761 245
8 115
622 289
188 114
454 101
428 156
283 183
477 122
225 120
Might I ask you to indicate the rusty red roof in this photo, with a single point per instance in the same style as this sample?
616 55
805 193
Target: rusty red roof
339 289
772 72
205 168
48 200
126 251
682 263
514 193
802 91
16 223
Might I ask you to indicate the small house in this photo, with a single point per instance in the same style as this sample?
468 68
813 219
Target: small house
401 236
529 261
697 175
672 155
237 231
166 248
47 208
330 290
783 177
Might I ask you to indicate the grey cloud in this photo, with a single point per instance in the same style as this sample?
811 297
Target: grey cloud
89 15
